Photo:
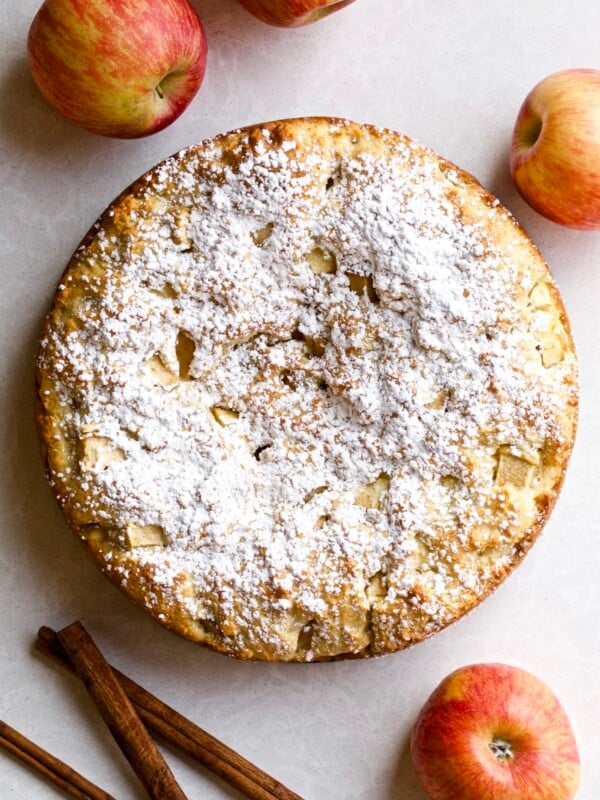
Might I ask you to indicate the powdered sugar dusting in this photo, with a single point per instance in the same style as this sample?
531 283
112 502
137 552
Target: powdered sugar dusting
279 333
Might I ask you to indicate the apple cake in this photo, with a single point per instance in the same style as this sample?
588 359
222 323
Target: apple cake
307 390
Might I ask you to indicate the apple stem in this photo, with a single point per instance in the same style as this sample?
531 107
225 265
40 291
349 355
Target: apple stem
167 83
502 750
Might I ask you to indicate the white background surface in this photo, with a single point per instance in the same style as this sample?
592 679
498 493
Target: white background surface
451 73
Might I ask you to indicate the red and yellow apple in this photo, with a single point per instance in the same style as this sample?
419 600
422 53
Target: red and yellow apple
555 150
494 731
291 13
123 68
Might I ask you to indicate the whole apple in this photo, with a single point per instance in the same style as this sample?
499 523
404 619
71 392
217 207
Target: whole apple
123 68
555 150
292 13
494 731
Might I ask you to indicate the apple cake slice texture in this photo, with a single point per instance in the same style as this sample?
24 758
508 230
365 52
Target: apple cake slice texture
307 391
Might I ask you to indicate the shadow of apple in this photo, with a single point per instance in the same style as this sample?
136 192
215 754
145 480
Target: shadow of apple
405 784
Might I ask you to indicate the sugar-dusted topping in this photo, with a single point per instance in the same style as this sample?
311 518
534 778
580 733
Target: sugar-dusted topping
312 393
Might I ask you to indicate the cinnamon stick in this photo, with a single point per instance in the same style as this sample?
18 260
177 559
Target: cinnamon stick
209 751
50 767
119 714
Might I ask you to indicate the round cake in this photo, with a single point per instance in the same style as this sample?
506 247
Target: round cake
307 391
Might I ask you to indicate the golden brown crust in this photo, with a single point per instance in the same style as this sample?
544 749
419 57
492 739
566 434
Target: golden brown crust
420 574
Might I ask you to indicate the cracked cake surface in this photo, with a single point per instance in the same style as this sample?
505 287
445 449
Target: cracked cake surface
307 390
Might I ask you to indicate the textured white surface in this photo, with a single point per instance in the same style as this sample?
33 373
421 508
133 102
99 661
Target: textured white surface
451 75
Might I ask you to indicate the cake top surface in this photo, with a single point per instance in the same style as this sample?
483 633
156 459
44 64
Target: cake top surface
307 390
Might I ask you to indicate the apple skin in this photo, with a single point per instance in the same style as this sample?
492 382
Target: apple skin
293 13
123 68
555 149
482 706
